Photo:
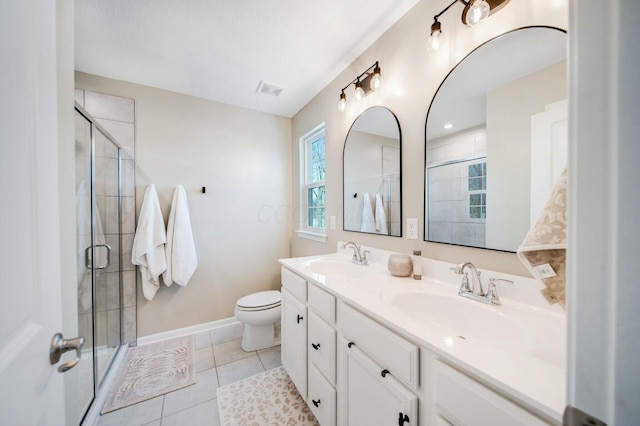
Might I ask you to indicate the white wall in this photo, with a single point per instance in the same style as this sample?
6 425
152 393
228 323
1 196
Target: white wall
411 77
241 224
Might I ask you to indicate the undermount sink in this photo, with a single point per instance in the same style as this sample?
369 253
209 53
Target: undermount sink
458 317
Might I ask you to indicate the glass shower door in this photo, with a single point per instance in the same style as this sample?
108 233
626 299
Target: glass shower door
98 233
106 248
84 274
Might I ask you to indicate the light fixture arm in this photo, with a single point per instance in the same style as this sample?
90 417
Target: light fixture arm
435 18
365 83
361 75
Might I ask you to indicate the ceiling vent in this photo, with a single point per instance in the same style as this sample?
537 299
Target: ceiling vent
269 89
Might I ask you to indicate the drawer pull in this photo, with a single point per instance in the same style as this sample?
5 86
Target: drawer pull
402 418
350 344
315 346
384 372
300 318
316 403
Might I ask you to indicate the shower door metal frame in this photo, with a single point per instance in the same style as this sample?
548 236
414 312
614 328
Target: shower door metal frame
95 126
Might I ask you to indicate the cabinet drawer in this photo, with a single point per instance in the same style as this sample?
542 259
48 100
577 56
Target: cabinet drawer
322 398
461 400
295 284
322 347
322 303
388 349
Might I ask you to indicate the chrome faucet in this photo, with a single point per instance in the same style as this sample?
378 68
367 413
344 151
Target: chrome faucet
475 279
474 290
359 258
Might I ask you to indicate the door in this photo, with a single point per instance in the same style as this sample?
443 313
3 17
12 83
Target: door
31 389
374 396
549 153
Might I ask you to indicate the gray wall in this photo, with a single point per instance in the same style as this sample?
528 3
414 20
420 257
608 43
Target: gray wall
241 224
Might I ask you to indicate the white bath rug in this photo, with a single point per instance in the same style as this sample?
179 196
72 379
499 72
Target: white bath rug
152 370
268 398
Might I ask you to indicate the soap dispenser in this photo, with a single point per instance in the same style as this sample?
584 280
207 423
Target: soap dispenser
417 263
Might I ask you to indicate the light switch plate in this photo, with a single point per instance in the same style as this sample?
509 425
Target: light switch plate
412 228
332 222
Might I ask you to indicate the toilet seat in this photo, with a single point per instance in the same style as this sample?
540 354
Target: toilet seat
260 301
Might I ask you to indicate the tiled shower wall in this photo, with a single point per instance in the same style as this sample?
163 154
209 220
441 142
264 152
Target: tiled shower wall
448 189
117 116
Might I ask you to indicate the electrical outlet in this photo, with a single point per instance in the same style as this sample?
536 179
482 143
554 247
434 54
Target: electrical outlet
332 222
412 228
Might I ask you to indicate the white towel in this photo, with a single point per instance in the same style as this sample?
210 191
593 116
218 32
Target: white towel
368 220
180 249
381 217
148 244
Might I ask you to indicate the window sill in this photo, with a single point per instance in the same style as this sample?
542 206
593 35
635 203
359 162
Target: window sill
310 235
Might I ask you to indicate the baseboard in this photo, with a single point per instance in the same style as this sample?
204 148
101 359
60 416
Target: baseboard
230 323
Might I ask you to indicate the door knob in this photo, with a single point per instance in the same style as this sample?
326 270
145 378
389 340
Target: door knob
60 345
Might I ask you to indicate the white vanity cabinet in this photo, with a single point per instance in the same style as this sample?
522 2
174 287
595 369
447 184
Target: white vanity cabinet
379 371
352 369
460 400
294 329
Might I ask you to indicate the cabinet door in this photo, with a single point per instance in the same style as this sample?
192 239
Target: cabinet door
371 399
294 341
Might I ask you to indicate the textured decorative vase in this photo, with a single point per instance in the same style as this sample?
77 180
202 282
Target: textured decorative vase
400 265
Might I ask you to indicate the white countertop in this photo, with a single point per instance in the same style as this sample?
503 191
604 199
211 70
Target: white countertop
521 351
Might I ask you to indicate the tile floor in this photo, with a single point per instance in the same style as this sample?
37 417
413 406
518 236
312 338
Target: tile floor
219 361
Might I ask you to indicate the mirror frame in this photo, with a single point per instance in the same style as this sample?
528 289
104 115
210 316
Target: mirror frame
346 139
424 178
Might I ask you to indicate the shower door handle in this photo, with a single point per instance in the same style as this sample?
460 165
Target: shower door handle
60 345
87 261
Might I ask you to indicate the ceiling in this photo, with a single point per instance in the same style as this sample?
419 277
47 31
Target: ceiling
222 50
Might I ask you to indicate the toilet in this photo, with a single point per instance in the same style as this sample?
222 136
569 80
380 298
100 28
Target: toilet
259 312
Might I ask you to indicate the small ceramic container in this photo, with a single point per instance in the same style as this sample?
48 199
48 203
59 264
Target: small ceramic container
400 265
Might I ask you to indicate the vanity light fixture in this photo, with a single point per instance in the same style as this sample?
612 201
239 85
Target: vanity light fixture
365 83
474 11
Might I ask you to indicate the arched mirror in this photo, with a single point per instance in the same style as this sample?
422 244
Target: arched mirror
496 138
372 169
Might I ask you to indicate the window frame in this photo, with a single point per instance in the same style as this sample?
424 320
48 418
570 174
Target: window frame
304 229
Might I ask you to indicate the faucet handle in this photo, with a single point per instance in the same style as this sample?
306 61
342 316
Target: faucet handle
364 256
492 281
464 287
492 291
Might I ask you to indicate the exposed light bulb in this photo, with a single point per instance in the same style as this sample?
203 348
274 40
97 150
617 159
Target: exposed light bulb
478 10
359 90
376 80
342 103
436 38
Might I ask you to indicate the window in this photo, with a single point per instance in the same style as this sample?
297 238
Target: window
313 194
478 191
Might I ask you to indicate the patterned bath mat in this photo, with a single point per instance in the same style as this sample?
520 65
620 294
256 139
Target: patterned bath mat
152 370
268 398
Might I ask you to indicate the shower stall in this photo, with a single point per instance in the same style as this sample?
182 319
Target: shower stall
105 210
